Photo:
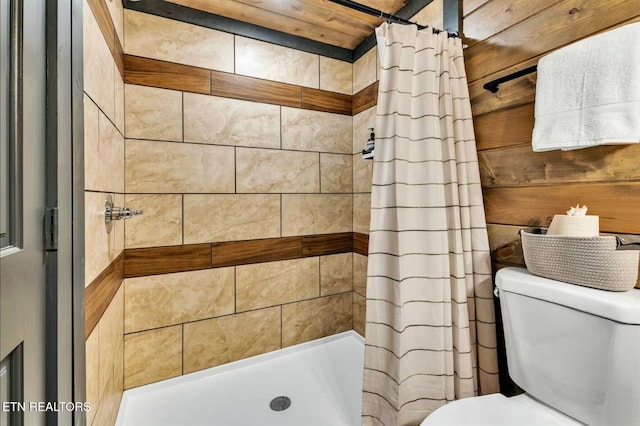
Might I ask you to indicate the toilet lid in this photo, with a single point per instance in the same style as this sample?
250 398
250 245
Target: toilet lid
498 410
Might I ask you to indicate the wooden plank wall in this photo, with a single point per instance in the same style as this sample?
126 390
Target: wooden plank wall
522 188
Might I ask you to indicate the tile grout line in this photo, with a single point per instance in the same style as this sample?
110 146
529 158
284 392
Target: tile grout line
281 129
281 309
182 117
182 349
281 212
319 277
183 219
319 173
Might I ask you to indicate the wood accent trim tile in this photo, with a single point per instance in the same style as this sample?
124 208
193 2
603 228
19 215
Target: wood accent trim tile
234 253
100 292
187 78
119 56
322 100
164 260
255 89
361 243
166 75
365 99
320 245
103 18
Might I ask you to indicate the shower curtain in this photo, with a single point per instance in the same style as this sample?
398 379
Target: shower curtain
430 326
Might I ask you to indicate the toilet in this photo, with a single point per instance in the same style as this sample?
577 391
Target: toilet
574 350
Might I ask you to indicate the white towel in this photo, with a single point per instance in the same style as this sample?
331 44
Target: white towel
588 93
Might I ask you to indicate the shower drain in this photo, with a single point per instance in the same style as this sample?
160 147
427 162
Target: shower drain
280 403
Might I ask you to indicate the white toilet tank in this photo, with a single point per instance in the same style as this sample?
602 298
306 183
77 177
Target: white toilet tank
574 348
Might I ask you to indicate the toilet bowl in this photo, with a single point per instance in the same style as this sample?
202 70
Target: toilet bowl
498 410
572 349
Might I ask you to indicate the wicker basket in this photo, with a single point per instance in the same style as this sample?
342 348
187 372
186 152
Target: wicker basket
587 261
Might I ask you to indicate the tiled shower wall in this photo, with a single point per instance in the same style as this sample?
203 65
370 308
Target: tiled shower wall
104 174
210 169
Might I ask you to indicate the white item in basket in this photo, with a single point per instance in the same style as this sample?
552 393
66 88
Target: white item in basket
575 223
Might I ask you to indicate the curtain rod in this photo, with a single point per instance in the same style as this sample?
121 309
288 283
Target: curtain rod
383 15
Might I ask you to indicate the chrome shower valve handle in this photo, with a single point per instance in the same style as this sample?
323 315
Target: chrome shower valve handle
112 213
121 213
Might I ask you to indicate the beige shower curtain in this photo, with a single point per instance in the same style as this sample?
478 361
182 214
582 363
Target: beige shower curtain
430 329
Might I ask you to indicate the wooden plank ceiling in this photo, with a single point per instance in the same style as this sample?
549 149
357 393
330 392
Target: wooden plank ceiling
319 20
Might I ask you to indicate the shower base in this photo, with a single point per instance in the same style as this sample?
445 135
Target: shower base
322 379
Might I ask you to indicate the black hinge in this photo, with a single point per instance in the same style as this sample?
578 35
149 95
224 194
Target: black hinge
51 229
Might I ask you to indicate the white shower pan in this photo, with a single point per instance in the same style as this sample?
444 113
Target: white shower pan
322 378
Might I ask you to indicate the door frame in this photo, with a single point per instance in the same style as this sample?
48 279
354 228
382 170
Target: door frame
65 343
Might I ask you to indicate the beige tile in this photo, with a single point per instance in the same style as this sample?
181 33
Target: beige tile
174 41
336 273
362 174
364 70
160 167
108 409
307 214
119 100
361 213
210 218
97 64
118 370
268 61
116 11
269 170
104 156
221 121
359 313
160 223
100 248
92 371
91 144
111 332
335 76
221 340
336 173
177 298
118 382
316 318
111 157
118 227
274 283
431 15
316 131
152 113
150 356
362 122
360 274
